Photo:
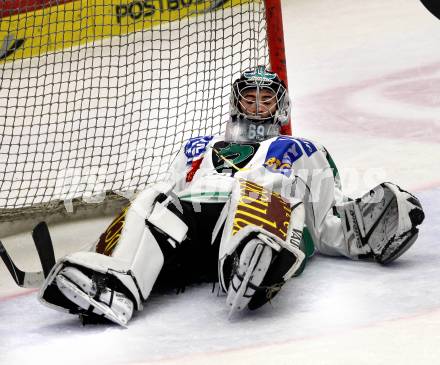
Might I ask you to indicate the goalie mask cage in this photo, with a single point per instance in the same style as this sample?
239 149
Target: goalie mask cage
98 96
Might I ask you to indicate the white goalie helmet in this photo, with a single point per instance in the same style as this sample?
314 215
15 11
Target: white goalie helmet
259 106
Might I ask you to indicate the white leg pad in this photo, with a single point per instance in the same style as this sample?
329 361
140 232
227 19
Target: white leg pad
137 259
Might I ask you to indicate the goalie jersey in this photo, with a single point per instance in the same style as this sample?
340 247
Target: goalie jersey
205 170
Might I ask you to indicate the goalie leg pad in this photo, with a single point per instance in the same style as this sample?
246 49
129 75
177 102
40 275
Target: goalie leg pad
136 260
381 225
257 256
138 246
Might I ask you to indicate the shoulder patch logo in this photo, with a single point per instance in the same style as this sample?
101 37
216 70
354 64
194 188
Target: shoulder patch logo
195 147
309 147
285 151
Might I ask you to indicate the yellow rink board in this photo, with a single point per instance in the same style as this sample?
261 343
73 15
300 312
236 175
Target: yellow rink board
78 22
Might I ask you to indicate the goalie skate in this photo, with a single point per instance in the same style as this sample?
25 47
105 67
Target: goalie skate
253 264
93 299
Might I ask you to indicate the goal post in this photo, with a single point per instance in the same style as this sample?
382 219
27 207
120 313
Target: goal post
276 48
97 96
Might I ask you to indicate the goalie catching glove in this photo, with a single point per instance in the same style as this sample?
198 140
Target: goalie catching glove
382 224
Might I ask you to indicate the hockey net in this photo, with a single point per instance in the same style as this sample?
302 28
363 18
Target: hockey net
98 96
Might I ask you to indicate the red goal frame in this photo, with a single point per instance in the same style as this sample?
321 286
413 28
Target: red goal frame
275 41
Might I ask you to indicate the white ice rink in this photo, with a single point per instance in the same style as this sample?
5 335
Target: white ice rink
365 80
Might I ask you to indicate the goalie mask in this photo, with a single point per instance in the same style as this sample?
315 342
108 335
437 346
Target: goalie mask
259 106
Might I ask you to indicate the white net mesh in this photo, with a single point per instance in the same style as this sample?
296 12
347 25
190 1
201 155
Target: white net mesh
110 113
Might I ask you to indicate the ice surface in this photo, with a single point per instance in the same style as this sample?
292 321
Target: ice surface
365 79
